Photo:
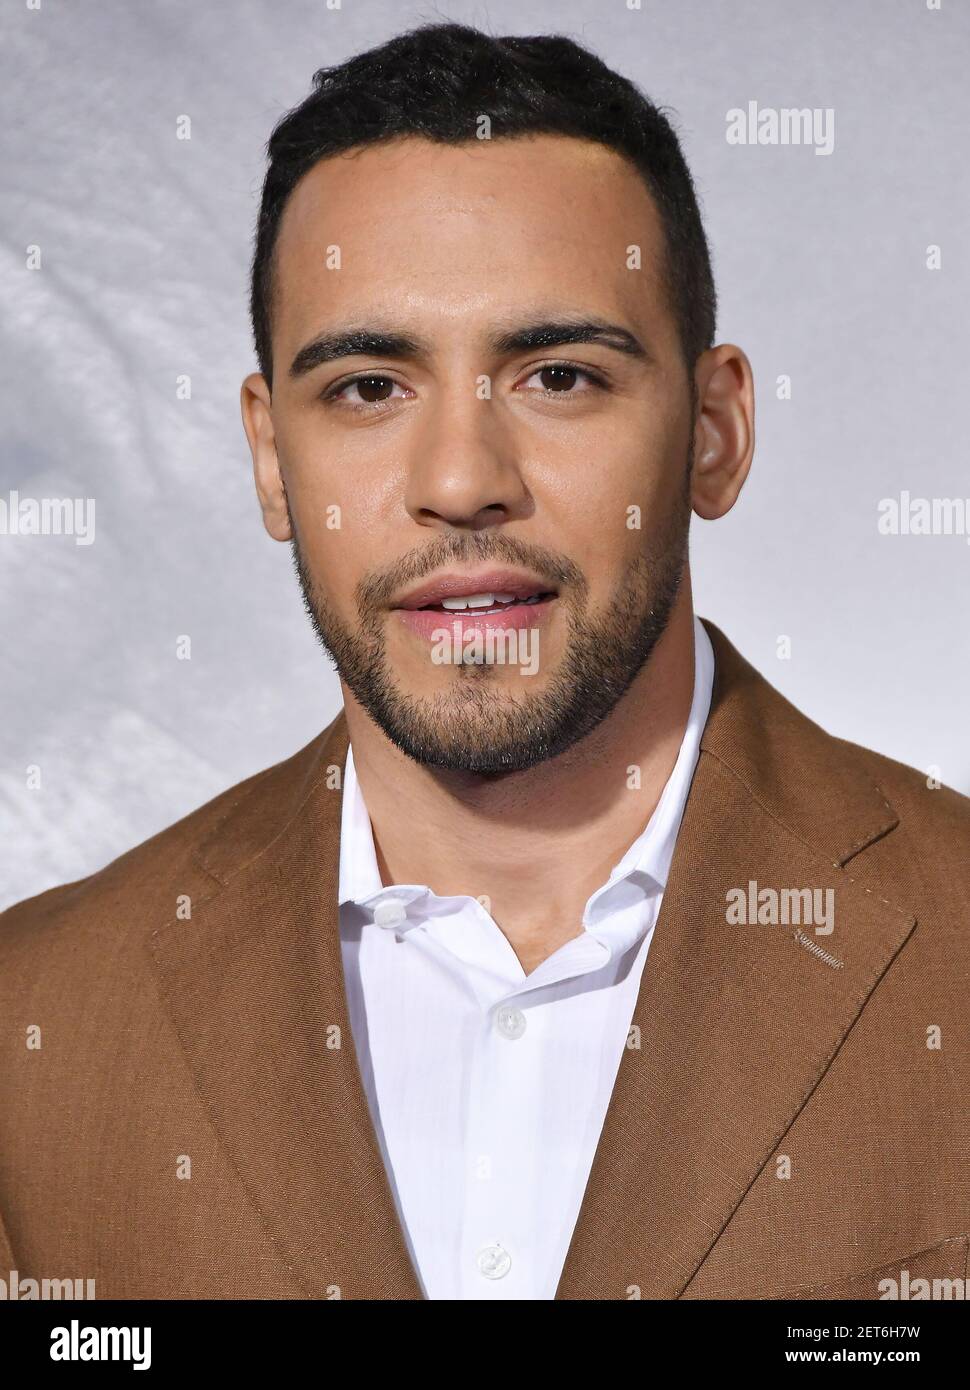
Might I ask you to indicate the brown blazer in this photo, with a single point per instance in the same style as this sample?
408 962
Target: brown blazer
788 1126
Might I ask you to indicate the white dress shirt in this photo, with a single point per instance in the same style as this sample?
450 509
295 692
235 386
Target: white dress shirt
488 1087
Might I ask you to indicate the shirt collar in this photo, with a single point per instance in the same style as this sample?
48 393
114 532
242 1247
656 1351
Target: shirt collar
648 858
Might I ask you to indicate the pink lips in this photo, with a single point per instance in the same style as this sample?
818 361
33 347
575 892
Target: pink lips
520 583
412 610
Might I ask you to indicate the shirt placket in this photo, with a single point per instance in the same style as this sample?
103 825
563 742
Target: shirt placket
499 1250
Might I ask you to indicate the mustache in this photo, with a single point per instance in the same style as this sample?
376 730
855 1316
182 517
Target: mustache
375 590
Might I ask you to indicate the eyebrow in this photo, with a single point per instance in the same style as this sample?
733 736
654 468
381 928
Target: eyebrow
376 342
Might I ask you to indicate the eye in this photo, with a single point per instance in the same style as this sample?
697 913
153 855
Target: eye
373 391
566 379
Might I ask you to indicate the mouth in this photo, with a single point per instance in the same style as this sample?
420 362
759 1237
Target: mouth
461 604
484 605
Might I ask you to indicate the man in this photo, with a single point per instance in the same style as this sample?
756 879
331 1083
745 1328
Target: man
570 960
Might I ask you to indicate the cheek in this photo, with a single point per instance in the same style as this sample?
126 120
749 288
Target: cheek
621 484
339 513
338 545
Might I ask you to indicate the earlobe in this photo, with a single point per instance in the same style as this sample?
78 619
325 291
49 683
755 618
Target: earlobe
256 406
723 430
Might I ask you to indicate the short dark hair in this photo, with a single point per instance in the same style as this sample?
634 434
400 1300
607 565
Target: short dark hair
435 82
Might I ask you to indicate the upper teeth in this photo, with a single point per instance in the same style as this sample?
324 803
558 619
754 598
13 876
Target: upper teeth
476 601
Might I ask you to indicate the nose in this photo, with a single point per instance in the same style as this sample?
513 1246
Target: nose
464 469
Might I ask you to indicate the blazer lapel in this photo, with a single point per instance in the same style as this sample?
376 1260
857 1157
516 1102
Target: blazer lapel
737 1023
254 984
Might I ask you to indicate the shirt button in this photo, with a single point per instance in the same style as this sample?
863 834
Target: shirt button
390 913
494 1262
510 1022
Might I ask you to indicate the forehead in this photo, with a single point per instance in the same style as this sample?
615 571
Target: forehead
414 226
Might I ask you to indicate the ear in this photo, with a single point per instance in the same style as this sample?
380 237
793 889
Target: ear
257 417
723 430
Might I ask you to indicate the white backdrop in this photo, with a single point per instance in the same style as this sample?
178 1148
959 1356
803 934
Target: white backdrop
143 242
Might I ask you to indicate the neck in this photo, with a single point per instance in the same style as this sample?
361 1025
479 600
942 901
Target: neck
535 844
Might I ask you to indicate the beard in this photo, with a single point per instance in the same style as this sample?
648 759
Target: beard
475 726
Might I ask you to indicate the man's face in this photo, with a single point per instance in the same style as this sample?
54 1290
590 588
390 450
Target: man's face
501 468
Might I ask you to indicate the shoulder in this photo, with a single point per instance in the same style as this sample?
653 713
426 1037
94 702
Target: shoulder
141 887
929 806
931 842
857 805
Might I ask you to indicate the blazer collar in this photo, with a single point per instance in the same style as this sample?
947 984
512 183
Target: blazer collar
736 1024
